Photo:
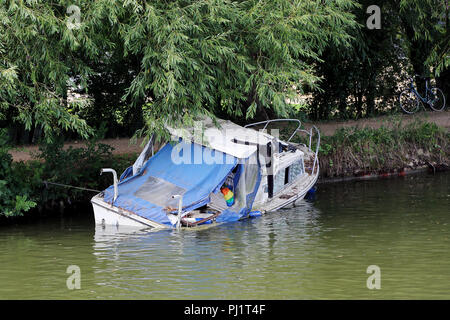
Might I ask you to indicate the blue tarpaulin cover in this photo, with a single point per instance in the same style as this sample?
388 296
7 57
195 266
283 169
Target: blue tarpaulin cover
148 192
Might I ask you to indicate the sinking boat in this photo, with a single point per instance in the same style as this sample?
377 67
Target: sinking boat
211 173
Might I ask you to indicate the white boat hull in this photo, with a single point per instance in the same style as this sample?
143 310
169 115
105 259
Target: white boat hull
107 214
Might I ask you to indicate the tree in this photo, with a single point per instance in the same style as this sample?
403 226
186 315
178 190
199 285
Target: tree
194 57
426 27
39 56
368 70
202 58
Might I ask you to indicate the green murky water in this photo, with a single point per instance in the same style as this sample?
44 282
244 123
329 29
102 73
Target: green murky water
319 250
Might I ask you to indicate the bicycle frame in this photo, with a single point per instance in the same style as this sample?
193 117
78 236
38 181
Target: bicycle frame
432 96
427 91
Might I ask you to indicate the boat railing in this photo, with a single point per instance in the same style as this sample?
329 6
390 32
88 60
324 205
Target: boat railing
115 182
267 122
180 208
311 132
316 152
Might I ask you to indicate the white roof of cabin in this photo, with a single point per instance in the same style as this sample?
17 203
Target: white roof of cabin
223 139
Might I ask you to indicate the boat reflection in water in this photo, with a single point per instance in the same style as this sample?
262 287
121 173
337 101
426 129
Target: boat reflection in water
221 262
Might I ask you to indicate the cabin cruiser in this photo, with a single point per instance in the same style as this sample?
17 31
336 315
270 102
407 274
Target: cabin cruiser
211 173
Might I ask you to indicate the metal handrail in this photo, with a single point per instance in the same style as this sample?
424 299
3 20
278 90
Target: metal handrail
276 120
317 145
116 189
316 152
309 132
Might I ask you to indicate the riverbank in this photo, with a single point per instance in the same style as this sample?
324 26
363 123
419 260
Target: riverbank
122 146
28 187
394 148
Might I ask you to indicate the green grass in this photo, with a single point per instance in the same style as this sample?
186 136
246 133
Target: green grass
391 147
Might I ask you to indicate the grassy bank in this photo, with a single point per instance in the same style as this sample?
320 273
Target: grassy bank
393 147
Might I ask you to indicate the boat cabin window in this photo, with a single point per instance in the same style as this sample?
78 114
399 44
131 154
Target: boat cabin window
294 170
284 177
278 181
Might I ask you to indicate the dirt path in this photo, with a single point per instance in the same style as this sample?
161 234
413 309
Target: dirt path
440 118
123 145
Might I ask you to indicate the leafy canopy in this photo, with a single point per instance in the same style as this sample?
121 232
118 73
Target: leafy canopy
196 57
430 22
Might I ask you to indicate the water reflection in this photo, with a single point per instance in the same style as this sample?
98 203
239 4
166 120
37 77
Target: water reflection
202 263
317 250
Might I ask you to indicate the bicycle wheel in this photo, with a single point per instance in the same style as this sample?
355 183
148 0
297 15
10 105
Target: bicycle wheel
408 101
437 99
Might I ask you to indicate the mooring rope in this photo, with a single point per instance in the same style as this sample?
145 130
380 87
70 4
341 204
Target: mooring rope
68 186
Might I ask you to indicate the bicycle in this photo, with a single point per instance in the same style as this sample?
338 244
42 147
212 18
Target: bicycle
409 98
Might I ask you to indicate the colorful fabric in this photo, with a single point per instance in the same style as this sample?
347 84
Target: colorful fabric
228 195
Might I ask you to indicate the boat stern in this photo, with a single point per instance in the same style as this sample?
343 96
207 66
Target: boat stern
108 214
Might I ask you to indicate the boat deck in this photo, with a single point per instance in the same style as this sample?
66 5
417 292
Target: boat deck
291 193
286 197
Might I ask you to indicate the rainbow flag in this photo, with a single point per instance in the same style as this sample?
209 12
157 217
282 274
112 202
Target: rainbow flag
228 195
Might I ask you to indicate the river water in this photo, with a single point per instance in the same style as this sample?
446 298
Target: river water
319 250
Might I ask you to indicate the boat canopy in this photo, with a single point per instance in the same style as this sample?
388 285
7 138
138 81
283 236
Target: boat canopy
184 168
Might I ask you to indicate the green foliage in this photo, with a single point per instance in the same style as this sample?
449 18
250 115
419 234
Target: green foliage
15 190
38 56
429 20
365 78
325 148
427 134
392 146
235 57
362 79
21 183
73 166
190 58
78 167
